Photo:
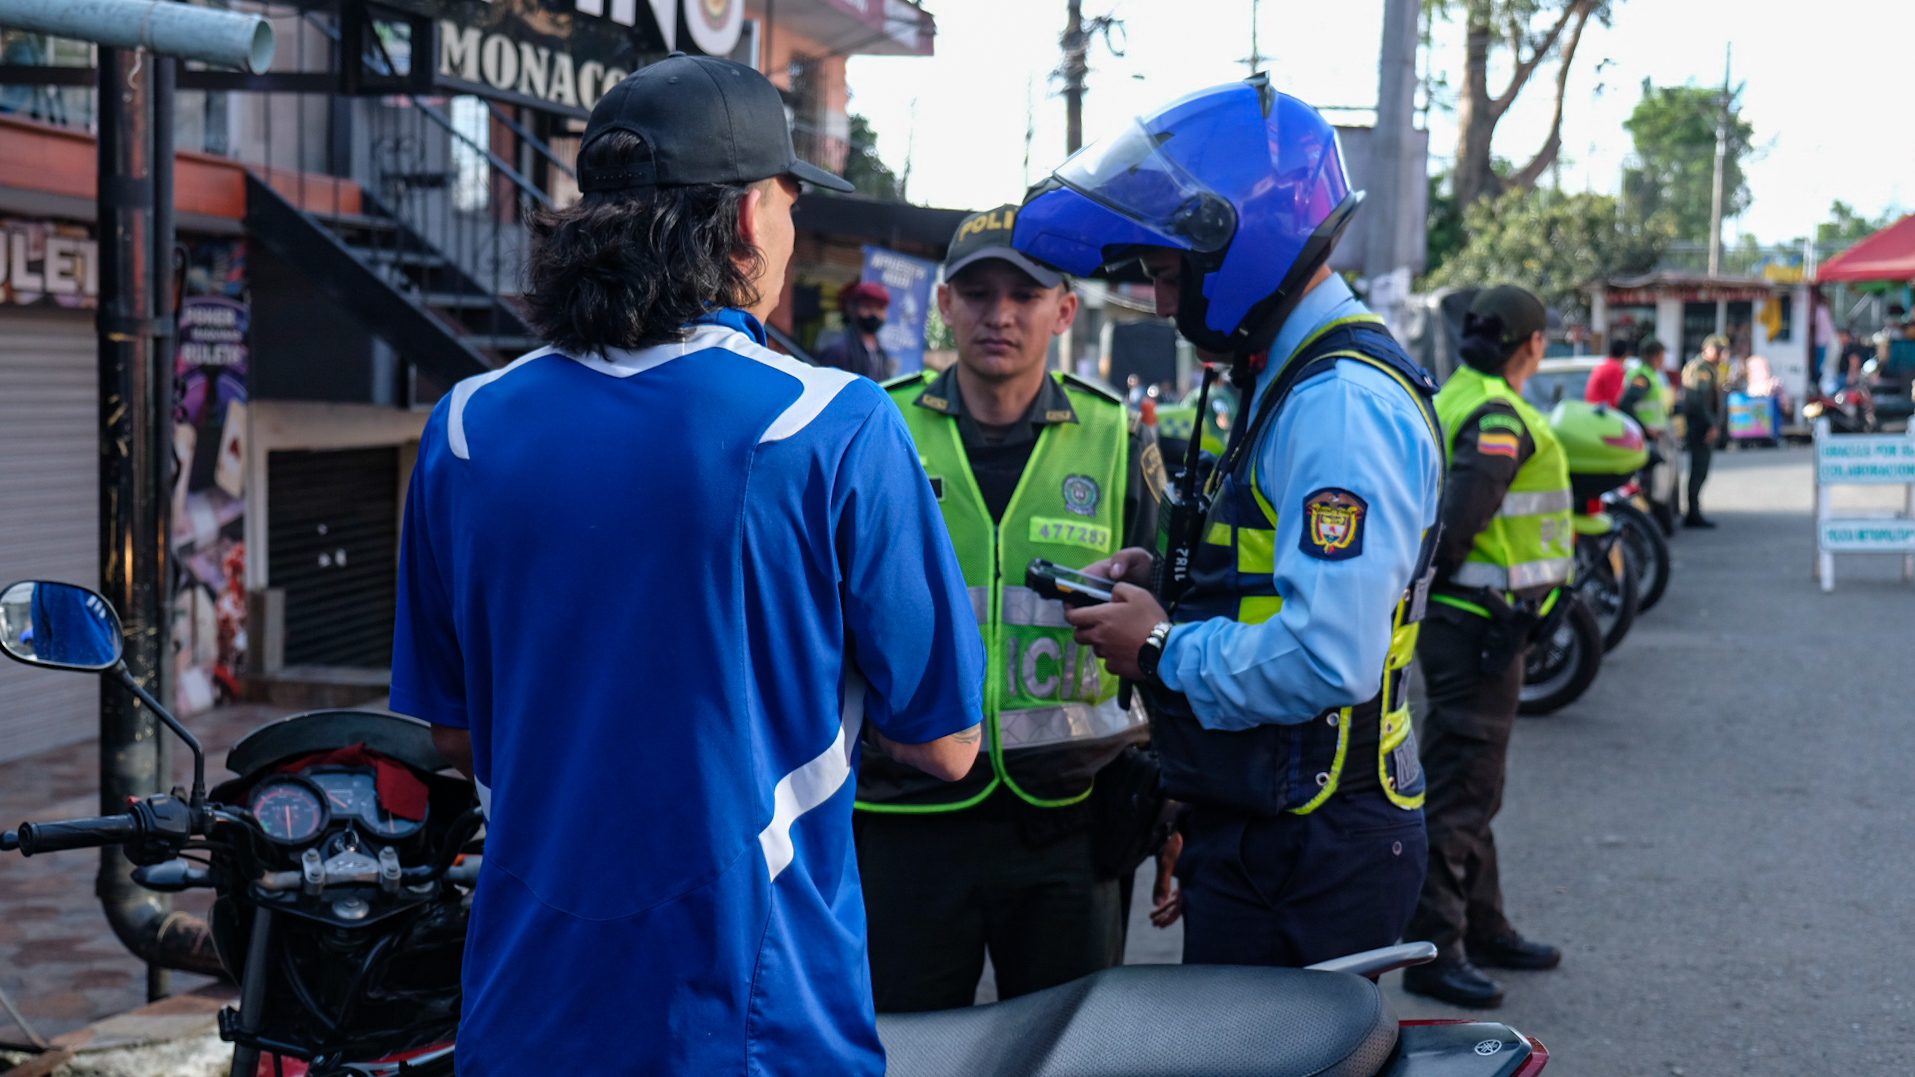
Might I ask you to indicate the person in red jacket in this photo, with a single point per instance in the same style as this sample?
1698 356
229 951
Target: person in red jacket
1605 382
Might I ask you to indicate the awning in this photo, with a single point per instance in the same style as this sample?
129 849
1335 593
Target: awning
1888 255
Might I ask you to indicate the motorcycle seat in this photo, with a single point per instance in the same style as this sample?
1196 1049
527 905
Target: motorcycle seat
1160 1021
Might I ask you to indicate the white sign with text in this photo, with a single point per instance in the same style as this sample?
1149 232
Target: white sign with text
1863 460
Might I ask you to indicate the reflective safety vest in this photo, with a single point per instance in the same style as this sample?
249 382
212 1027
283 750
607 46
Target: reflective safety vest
1297 766
1051 714
1652 411
1178 421
1527 549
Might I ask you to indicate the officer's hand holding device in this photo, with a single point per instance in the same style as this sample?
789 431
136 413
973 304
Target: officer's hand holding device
1132 564
1067 585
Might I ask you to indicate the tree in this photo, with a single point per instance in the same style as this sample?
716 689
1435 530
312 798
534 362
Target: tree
1845 227
1551 243
864 169
1444 235
1531 31
1674 128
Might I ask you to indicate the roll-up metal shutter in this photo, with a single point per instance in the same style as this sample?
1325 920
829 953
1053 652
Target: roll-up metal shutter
49 506
332 547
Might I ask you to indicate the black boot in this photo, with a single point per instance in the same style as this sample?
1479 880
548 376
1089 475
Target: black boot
1696 520
1512 951
1455 981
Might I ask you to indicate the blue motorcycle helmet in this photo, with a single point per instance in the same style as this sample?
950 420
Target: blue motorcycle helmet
1246 182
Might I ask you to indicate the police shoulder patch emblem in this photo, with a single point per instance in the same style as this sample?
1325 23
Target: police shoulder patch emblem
1333 521
1081 494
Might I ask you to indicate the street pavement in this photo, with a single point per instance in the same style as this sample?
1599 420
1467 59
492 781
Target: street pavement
1717 834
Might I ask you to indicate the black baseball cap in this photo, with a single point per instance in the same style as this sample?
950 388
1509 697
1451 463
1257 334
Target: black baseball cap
702 120
1517 310
988 235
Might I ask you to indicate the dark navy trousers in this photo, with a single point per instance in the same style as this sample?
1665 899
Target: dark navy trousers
1292 890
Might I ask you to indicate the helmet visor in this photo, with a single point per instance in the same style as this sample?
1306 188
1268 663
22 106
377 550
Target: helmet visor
1130 174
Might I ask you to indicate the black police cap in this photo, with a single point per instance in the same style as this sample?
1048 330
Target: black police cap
702 120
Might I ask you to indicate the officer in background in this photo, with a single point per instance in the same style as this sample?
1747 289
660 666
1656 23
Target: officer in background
1645 395
1275 681
1702 417
1645 398
1506 546
1025 463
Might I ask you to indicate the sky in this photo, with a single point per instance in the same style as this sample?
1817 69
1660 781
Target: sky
1828 90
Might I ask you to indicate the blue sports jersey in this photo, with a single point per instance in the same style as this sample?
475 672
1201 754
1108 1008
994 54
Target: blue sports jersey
663 589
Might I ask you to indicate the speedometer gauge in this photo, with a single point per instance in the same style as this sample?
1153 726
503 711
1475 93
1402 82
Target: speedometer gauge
288 810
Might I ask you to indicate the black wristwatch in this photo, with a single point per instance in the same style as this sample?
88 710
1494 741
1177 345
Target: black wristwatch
1152 652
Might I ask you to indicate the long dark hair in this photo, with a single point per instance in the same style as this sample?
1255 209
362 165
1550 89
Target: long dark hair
1482 345
630 269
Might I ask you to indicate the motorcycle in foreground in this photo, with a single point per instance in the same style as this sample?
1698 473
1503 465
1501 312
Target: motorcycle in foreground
343 864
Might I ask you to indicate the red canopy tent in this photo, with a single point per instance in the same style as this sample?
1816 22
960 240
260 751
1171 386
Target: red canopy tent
1888 255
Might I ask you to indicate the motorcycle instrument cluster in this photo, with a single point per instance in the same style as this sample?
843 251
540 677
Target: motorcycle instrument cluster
290 810
354 794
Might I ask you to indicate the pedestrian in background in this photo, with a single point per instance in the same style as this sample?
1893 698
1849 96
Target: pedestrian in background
1605 382
858 350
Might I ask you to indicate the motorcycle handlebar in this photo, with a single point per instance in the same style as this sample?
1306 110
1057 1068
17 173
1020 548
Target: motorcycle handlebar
78 833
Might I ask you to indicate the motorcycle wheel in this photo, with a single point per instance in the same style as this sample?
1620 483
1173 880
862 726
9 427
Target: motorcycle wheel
1609 598
1646 550
1558 670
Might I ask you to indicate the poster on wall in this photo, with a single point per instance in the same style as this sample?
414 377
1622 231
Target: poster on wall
909 281
209 493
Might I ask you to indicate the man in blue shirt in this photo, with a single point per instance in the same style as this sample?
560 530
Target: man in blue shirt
655 580
1275 682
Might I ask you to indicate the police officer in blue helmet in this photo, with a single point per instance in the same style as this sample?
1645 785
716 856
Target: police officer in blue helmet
1271 631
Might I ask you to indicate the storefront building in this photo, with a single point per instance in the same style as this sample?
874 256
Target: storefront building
348 256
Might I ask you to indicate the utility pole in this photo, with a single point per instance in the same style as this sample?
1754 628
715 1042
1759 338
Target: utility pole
1722 160
1256 58
1076 45
1389 235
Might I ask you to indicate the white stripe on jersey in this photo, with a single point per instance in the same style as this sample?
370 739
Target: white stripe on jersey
813 783
462 394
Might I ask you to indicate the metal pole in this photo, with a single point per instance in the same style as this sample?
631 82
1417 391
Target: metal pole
224 38
135 446
1722 155
1076 45
1390 199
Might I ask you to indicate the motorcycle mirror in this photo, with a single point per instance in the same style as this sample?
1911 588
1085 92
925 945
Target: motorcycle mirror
64 626
60 626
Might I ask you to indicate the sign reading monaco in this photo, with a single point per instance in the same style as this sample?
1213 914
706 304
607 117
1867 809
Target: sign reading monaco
564 54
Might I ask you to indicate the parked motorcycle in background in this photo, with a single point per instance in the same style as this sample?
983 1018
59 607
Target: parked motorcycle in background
343 863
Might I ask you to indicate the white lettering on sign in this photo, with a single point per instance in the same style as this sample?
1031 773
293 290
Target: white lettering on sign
505 63
522 68
41 263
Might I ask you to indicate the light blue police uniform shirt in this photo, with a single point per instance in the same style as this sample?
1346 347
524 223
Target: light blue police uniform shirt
1353 428
663 589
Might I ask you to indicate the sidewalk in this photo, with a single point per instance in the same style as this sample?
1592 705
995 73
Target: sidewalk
59 960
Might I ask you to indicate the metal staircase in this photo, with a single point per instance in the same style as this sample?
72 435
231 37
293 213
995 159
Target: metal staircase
436 279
